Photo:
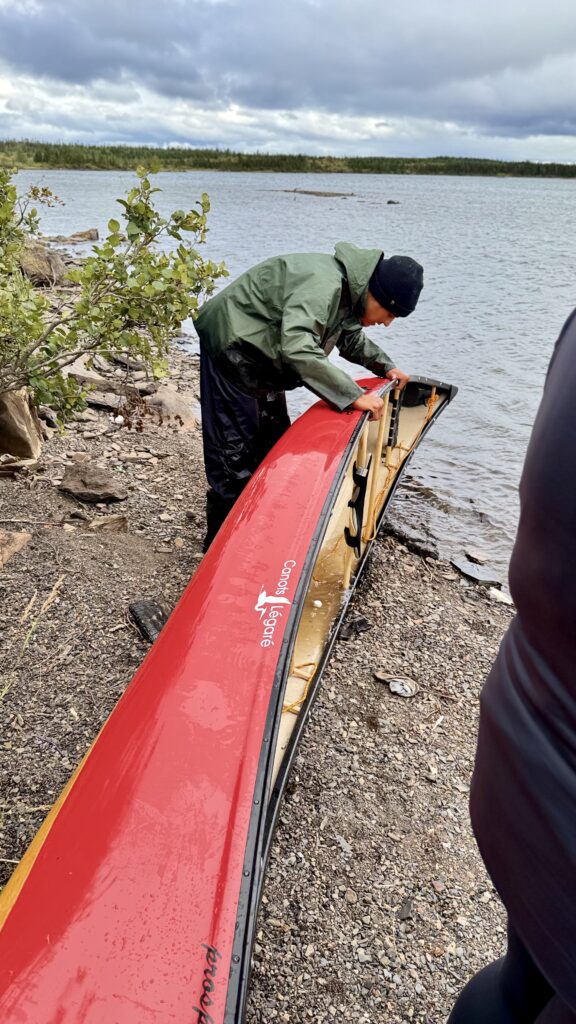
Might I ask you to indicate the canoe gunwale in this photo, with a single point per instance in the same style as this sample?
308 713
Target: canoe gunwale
265 813
288 759
258 840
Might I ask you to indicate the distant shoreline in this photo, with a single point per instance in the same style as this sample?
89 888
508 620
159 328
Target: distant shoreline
28 155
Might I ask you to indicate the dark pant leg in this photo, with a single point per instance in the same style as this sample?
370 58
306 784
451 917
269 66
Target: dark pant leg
511 990
238 431
556 1012
273 421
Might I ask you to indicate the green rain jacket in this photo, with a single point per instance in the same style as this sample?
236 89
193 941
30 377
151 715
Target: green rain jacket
273 327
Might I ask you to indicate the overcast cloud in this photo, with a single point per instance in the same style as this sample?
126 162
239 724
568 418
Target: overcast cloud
424 77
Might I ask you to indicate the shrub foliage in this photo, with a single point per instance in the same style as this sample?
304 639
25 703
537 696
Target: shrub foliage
129 297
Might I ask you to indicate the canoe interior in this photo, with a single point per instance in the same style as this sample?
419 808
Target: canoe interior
337 563
370 470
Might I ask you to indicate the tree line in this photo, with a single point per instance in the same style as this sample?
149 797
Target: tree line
40 155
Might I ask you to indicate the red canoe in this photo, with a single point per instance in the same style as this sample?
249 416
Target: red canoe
136 902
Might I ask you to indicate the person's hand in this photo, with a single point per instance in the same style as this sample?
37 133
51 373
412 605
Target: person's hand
370 402
402 378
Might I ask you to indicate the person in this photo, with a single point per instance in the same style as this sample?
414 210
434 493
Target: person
271 330
523 795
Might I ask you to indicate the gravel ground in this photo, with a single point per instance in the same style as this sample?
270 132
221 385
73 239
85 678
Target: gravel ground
376 907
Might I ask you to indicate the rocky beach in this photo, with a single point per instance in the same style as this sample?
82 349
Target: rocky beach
377 907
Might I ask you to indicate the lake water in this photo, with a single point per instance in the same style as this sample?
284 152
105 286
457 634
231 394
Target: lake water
499 257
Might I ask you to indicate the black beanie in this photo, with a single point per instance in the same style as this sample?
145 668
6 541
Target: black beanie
396 284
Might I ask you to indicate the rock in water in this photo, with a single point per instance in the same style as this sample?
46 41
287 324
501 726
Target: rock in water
91 235
479 573
475 555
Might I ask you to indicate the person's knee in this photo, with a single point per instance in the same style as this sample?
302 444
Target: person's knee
556 1012
482 1000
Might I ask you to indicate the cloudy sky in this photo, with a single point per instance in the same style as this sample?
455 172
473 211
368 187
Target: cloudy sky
492 78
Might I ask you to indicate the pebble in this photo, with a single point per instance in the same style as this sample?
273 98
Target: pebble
343 844
403 687
136 457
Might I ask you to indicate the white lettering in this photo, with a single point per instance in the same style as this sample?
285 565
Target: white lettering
274 610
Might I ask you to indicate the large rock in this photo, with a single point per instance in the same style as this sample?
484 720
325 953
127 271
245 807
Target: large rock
106 400
11 543
11 466
41 265
102 384
91 378
174 407
90 482
128 361
20 428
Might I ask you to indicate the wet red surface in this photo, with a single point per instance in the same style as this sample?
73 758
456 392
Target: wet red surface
128 912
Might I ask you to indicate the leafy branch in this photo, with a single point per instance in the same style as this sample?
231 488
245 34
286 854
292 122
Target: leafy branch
131 294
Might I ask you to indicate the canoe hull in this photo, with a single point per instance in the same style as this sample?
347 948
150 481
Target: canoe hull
137 901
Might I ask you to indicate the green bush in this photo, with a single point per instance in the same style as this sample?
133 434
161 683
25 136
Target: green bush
130 296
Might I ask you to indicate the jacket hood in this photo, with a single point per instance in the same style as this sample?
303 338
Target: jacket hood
359 265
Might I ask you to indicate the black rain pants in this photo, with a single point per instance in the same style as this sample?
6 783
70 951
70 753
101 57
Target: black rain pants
238 431
511 990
